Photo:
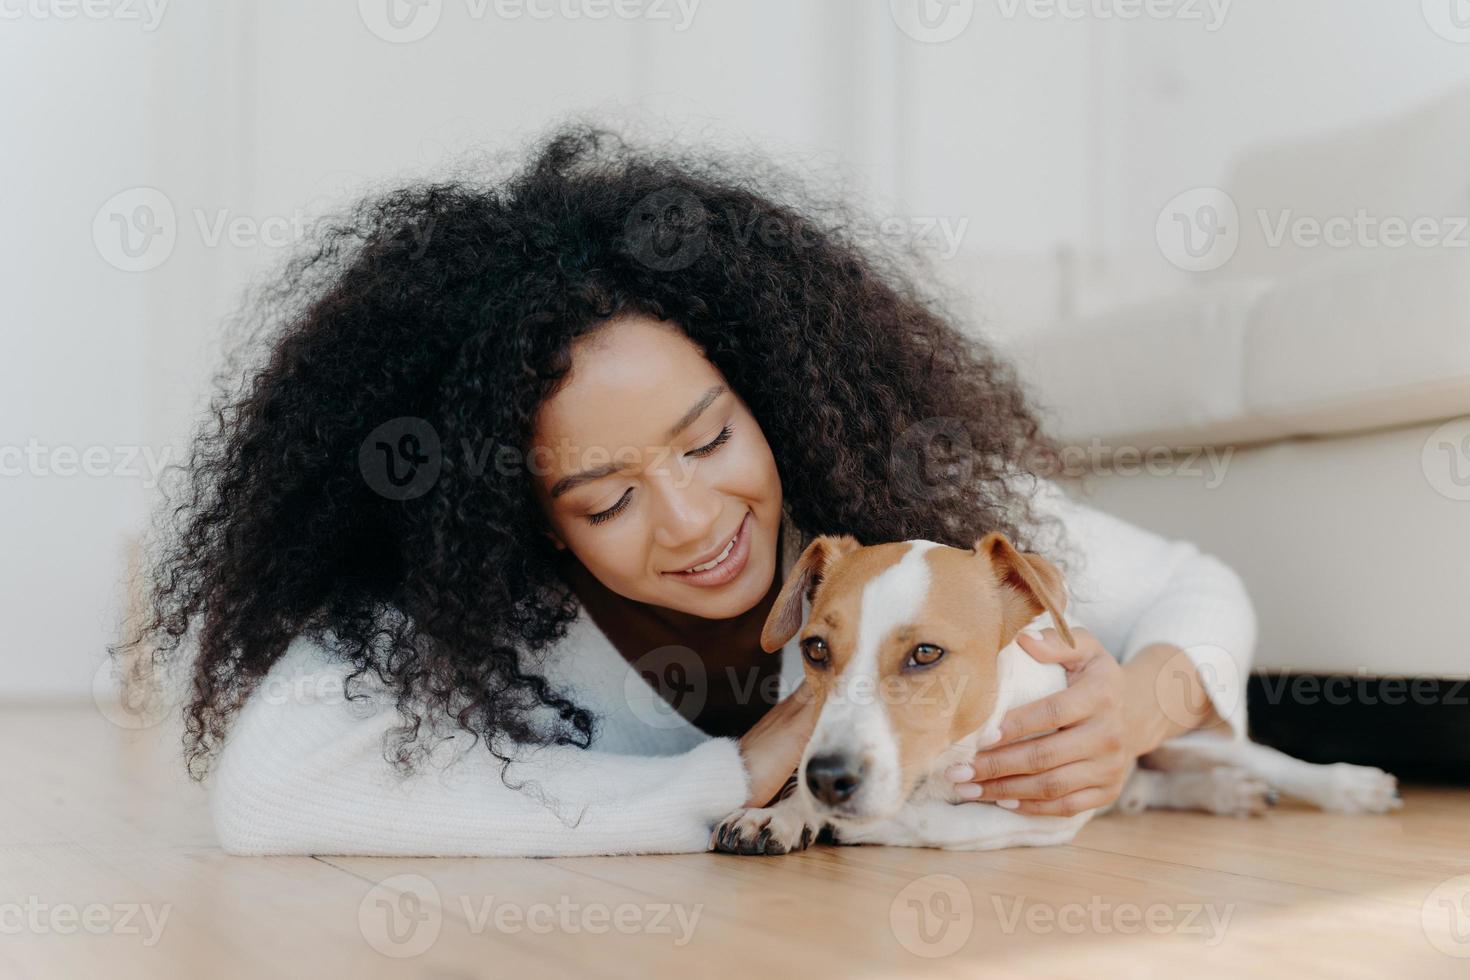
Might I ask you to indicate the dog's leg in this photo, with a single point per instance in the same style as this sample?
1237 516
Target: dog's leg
1223 789
784 824
964 827
1339 786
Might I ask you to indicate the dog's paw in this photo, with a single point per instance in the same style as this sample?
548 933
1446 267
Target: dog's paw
1358 789
761 830
1236 792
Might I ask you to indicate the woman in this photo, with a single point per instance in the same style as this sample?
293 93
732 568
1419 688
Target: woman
434 552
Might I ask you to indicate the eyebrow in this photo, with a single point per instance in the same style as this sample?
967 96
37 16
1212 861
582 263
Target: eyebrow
569 483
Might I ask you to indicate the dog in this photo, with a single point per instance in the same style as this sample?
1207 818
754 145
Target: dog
911 647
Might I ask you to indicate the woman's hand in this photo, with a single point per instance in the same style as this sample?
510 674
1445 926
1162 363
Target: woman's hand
773 746
1083 762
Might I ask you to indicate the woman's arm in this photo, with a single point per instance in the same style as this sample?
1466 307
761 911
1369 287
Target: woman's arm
303 772
1169 642
1138 590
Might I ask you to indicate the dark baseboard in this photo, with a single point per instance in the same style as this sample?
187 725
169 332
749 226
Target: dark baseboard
1417 728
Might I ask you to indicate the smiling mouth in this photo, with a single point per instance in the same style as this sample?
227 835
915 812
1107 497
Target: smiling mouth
717 559
724 566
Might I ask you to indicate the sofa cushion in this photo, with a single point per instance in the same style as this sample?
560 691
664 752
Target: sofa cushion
1364 344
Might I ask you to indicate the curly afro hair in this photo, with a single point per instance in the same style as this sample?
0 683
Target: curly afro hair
451 306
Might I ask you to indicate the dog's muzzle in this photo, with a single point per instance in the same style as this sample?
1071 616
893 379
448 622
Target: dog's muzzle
834 777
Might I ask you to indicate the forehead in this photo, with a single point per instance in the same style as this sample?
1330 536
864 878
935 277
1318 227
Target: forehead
630 381
625 377
883 588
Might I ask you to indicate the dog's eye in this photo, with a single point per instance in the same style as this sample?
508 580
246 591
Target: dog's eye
925 654
814 648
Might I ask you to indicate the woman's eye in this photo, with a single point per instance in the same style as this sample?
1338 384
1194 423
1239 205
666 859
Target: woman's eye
925 654
611 512
622 503
713 444
815 650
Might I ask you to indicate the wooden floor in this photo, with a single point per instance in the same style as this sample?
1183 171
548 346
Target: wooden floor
108 868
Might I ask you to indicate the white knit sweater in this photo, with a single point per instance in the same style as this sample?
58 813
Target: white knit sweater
303 769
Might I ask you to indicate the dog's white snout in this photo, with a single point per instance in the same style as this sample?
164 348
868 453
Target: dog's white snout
854 689
851 766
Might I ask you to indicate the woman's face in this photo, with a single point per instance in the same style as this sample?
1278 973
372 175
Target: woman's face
645 463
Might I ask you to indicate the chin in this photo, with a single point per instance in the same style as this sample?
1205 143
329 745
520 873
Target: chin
871 809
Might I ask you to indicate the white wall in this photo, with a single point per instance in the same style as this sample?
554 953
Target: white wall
1179 101
73 329
1023 135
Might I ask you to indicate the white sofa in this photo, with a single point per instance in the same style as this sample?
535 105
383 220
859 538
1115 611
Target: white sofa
1332 385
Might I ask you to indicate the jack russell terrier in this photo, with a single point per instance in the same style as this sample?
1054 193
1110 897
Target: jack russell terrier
911 646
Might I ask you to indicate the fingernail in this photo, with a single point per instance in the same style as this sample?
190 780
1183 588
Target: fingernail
959 773
988 737
969 791
1008 804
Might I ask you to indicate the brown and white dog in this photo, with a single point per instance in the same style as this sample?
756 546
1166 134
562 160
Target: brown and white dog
911 648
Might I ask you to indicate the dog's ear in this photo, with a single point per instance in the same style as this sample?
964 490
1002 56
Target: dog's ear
801 582
1030 585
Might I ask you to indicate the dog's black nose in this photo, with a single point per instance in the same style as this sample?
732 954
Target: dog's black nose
833 778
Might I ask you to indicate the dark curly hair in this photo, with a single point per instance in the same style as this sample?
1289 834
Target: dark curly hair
451 305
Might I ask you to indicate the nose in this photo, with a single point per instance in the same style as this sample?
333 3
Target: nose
833 777
688 512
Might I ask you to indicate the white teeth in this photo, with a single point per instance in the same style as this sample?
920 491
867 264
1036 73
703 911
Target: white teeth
717 559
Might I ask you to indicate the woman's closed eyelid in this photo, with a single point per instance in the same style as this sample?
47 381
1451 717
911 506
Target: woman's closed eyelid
709 447
611 512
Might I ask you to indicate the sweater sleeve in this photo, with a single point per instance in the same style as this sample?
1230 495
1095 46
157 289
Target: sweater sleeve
303 772
1133 588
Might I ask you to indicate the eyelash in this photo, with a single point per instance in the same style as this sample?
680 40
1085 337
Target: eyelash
704 450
